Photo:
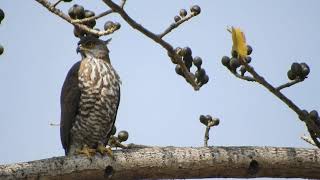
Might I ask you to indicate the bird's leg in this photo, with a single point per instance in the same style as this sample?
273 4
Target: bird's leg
103 150
86 151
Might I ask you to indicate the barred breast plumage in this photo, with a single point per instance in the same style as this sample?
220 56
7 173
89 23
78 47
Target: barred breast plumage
100 93
89 98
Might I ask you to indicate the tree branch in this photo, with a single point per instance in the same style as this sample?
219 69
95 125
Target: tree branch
176 24
59 13
98 16
309 123
156 38
91 18
291 83
246 78
174 162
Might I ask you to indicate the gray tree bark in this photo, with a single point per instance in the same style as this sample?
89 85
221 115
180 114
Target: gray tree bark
175 162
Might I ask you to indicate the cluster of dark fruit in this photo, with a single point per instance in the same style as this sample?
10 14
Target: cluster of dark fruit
78 12
1 18
200 74
233 63
195 10
298 71
122 135
206 119
313 115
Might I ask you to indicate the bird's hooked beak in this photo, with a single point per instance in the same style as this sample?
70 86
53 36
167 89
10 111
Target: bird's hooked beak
79 48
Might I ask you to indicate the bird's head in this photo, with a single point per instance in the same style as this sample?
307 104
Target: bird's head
90 46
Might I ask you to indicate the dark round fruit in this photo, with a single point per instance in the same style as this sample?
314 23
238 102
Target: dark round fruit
117 25
234 63
304 115
317 122
78 32
249 49
192 77
66 0
296 69
313 115
248 59
113 131
195 9
179 70
1 49
187 51
183 13
76 12
234 53
203 119
71 12
205 79
209 117
123 136
177 18
91 23
2 15
243 70
108 25
188 61
79 12
291 75
225 61
197 61
305 69
88 13
200 73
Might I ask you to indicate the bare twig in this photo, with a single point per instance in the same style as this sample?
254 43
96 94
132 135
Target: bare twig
56 4
98 16
211 123
123 2
155 38
85 28
176 24
246 78
54 124
291 83
308 140
91 18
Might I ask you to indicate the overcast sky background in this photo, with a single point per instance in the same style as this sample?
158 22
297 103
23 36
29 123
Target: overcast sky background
157 106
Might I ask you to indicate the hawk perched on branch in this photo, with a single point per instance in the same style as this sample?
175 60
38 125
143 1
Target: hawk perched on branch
89 100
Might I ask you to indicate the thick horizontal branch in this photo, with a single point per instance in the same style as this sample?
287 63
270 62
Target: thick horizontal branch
175 162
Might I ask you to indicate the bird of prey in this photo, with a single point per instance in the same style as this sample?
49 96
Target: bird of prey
89 100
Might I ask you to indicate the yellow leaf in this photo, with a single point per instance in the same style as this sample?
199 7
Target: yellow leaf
239 42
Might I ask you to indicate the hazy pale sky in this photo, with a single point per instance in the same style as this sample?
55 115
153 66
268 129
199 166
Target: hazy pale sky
157 106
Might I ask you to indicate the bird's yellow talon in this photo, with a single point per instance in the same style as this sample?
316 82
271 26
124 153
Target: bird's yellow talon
86 151
105 151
